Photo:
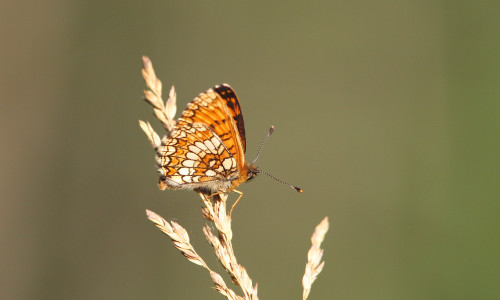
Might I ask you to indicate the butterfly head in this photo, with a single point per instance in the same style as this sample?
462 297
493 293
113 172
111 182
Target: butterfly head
252 171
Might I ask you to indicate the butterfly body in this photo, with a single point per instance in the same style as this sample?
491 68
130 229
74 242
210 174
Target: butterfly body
205 151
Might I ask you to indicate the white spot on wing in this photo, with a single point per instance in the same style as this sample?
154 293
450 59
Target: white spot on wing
176 178
216 141
184 171
211 94
209 145
201 145
227 163
210 173
194 149
188 163
192 156
169 150
221 149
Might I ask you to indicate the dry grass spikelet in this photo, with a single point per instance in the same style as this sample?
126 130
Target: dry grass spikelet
153 137
179 237
314 264
222 245
165 112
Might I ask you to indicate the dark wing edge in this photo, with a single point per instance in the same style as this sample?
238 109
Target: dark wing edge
232 102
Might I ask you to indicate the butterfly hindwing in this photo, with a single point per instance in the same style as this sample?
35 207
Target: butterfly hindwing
193 156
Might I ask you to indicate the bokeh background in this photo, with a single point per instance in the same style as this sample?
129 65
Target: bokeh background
387 114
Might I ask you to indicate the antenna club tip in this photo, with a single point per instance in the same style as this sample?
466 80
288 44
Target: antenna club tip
298 189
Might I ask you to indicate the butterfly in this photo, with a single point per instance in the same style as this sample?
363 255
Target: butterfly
205 151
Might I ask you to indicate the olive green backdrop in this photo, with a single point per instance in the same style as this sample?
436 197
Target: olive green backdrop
386 114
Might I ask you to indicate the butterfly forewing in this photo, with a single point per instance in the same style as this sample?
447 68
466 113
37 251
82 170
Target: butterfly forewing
220 109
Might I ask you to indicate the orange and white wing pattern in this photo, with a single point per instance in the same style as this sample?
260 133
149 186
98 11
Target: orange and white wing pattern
220 110
206 149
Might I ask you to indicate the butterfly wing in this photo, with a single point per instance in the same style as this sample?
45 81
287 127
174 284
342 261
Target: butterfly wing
219 109
194 157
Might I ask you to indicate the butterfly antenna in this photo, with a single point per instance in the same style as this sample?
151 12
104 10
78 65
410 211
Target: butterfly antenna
260 171
285 183
262 145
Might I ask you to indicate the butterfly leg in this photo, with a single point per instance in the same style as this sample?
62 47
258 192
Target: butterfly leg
236 202
207 197
214 194
219 193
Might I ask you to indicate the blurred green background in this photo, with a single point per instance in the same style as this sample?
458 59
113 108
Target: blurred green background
387 114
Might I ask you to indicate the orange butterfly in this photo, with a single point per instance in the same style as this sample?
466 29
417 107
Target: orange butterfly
206 150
